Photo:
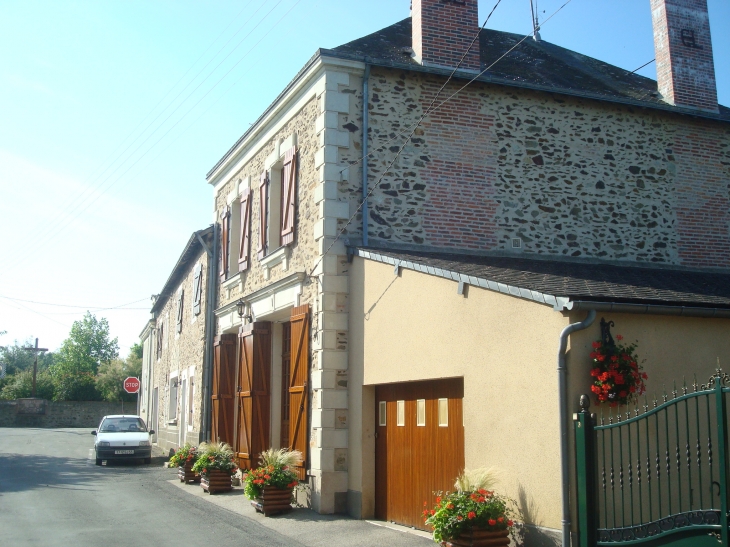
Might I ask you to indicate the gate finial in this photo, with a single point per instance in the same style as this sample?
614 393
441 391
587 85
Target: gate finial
585 403
606 332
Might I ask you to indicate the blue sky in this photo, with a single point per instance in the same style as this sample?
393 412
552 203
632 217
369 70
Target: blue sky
113 112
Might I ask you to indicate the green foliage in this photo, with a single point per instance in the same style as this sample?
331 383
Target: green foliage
274 471
17 359
87 347
186 453
111 376
135 351
20 385
215 456
75 386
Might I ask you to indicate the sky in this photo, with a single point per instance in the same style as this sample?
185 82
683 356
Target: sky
112 112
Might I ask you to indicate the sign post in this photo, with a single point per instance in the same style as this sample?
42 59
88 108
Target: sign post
131 385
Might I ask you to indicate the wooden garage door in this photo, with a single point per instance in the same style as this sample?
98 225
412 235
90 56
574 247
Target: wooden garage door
419 447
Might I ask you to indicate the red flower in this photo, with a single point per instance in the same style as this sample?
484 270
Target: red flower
619 337
432 512
596 371
438 499
425 504
595 389
492 522
472 515
459 517
450 506
482 499
205 470
510 523
500 520
596 345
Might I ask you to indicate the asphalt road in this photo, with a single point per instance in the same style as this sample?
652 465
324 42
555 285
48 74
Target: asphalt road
52 494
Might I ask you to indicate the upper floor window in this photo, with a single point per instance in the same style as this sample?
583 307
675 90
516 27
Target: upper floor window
236 231
277 199
197 288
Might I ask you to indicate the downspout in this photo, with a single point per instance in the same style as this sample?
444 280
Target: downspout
563 412
210 305
365 102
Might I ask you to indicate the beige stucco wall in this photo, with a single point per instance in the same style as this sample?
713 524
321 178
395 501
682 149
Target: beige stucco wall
416 327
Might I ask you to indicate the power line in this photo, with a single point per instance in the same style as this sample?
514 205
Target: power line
97 308
74 202
59 229
413 130
642 66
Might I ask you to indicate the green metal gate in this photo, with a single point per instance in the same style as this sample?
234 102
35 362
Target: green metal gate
656 476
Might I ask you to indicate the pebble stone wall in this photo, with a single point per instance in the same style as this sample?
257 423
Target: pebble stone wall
567 176
63 414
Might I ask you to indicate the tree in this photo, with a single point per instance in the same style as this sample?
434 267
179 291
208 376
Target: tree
77 362
109 381
20 385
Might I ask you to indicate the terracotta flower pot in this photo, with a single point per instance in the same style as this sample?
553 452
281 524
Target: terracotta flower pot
273 500
216 481
186 474
477 537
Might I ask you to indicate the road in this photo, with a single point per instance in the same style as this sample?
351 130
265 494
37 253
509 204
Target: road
52 494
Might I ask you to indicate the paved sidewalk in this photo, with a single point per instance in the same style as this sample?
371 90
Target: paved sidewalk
312 529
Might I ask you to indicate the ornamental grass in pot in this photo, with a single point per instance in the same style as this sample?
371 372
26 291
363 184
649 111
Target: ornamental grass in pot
473 515
270 486
183 459
216 465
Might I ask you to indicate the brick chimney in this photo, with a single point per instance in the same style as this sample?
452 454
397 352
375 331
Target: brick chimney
685 69
443 30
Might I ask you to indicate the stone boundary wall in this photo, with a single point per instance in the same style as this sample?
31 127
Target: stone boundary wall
61 413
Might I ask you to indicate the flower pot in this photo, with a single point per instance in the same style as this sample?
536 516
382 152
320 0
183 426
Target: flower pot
477 537
216 480
186 474
273 500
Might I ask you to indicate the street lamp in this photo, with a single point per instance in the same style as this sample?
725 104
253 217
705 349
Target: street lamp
241 310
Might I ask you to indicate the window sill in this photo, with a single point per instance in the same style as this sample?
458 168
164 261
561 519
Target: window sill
231 282
279 256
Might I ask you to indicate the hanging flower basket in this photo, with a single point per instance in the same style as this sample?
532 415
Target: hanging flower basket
618 377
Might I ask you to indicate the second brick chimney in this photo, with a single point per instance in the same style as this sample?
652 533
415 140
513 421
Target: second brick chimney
684 64
442 32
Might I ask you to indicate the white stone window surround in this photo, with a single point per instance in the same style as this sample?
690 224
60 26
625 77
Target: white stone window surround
173 388
191 397
177 298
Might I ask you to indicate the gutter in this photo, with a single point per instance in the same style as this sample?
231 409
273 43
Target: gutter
653 309
365 103
210 304
564 419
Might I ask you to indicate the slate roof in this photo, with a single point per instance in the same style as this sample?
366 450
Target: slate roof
550 281
536 65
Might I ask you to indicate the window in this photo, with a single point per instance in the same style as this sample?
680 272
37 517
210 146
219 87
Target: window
421 412
191 399
401 413
160 338
277 199
443 412
382 409
179 321
197 289
172 406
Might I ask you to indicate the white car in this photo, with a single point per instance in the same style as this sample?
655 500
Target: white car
122 437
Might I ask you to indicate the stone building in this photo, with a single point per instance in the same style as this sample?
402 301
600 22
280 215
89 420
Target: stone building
419 252
177 344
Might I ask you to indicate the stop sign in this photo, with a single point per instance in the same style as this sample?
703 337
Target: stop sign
131 385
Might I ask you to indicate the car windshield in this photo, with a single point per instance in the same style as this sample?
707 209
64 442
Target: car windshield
122 425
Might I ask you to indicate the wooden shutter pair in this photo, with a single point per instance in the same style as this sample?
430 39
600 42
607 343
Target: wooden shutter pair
179 322
298 387
160 338
254 393
288 196
244 249
263 214
197 288
222 388
225 242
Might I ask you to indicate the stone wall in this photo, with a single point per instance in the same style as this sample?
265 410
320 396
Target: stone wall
564 176
182 357
62 413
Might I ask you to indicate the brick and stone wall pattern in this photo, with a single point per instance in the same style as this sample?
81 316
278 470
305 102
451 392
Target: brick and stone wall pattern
180 351
567 176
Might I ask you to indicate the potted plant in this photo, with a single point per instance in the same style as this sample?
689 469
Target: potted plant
183 459
618 378
473 515
270 486
216 465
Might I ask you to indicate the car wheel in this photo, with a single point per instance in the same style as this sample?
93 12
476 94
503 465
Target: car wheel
148 460
98 461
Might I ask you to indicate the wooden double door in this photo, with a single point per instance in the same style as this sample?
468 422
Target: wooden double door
419 446
242 389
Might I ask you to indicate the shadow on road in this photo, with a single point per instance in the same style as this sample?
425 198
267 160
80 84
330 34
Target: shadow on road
21 472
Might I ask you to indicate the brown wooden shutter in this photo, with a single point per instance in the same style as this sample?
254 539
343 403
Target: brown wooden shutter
298 385
288 196
244 252
254 393
225 242
222 387
197 288
180 302
263 209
